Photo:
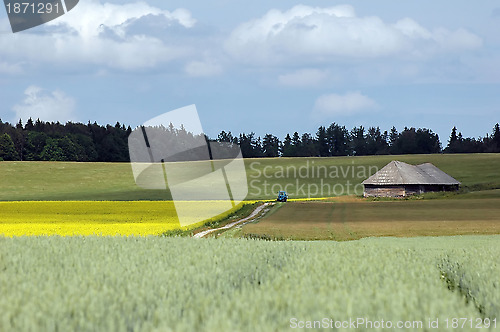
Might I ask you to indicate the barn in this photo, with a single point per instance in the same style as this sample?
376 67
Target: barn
399 179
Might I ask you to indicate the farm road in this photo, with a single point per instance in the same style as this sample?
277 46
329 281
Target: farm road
252 216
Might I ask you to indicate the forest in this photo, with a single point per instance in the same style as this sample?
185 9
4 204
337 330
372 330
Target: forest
91 142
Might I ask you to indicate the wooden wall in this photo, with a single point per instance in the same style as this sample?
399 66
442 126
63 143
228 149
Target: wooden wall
386 191
403 190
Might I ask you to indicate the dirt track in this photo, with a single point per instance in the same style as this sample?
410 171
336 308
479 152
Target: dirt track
252 216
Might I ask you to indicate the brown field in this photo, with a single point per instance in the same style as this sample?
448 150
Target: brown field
351 220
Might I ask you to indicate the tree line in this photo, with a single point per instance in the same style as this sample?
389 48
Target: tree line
337 140
49 141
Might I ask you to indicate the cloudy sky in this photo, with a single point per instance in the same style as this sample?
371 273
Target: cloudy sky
260 66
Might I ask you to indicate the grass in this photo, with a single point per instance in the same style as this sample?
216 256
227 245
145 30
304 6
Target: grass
475 171
55 181
302 177
244 211
355 219
179 284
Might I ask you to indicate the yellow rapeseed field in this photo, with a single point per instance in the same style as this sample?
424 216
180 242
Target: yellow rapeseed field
308 199
107 218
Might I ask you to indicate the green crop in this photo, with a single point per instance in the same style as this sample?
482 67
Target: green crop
476 275
183 284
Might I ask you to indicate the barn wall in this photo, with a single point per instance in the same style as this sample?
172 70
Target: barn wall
415 189
404 190
385 191
432 188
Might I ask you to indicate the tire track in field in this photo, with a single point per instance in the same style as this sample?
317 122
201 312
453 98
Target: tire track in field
251 217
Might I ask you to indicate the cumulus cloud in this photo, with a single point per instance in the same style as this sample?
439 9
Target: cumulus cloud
203 68
45 105
348 104
103 34
93 15
303 77
318 34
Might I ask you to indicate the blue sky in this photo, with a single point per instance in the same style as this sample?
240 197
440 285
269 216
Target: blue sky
267 67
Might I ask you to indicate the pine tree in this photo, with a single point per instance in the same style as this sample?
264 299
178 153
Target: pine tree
29 125
321 138
496 138
287 146
393 136
453 142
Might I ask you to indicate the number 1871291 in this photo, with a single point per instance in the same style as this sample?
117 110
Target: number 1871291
32 8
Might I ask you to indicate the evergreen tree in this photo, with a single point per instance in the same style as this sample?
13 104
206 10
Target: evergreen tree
296 145
7 148
496 138
271 146
359 146
406 142
287 146
427 141
393 136
321 138
453 142
376 143
338 140
257 147
250 146
308 147
29 125
39 126
225 137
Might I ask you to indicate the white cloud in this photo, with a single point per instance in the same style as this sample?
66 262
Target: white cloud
90 16
312 34
303 78
45 105
348 104
203 69
103 34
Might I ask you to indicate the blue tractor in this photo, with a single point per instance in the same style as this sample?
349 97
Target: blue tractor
282 196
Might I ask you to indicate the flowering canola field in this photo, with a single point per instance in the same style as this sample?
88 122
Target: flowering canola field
107 218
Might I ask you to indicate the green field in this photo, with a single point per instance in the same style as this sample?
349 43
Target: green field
158 283
302 177
180 284
354 219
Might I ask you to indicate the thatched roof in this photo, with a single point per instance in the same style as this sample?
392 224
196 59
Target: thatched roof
397 173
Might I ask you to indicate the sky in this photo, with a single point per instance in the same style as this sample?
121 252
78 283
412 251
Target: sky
261 66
